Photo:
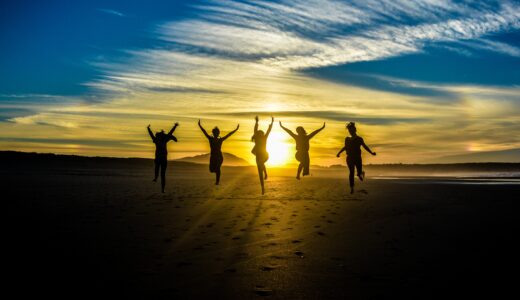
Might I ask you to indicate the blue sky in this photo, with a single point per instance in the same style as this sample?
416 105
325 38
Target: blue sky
107 57
49 46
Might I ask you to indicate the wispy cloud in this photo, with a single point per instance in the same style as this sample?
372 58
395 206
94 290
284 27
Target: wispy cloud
112 12
265 39
493 46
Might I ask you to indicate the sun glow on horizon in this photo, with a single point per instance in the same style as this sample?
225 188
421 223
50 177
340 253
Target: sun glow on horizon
278 149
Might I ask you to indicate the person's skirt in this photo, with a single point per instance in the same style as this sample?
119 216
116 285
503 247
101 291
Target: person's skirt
215 162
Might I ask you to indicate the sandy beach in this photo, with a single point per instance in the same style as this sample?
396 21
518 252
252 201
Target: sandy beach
86 231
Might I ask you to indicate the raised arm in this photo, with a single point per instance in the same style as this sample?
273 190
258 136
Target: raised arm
231 133
173 128
315 132
270 127
256 128
150 133
204 131
288 131
366 148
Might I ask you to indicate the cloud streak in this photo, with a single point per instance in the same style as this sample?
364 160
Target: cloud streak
264 39
112 12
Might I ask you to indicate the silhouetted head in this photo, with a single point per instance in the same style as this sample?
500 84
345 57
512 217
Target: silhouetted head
160 133
216 131
300 130
259 133
351 127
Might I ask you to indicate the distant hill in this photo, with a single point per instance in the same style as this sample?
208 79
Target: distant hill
511 155
24 161
229 160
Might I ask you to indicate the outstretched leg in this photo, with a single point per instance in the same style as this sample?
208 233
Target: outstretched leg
217 173
157 166
265 172
163 175
300 168
351 168
359 167
261 169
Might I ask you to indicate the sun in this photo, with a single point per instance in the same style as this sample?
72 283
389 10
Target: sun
278 148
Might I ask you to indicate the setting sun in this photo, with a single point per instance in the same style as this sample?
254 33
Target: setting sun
278 148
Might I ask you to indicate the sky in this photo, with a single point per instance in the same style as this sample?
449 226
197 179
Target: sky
421 79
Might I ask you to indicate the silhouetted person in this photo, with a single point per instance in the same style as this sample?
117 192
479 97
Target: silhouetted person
215 143
353 147
260 150
161 152
302 147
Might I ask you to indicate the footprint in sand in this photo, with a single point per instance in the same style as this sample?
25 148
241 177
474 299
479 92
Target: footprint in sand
261 290
299 254
320 233
268 245
269 267
296 241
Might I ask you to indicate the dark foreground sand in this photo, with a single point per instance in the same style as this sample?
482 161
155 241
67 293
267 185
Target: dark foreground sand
80 232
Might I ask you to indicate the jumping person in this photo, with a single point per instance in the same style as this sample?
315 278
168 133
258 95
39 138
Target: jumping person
260 151
215 143
302 147
160 140
353 148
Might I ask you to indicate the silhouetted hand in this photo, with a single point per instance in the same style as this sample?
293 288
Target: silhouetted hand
148 126
323 125
373 153
338 155
199 121
272 119
238 125
256 118
176 124
280 123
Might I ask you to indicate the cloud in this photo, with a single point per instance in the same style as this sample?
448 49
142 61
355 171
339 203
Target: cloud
75 141
234 43
327 115
493 46
112 12
384 83
173 89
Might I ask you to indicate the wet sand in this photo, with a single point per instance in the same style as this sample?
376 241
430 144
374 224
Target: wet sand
79 232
